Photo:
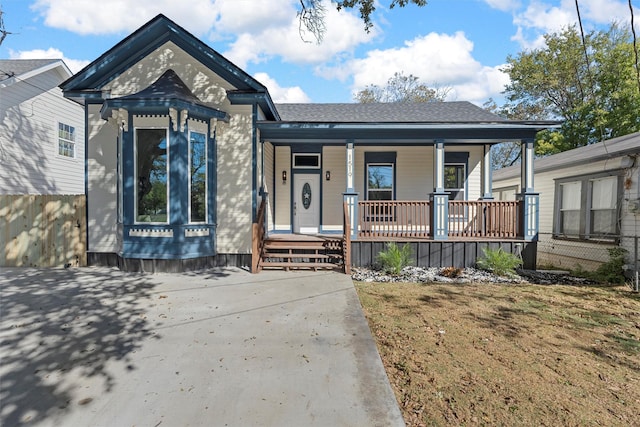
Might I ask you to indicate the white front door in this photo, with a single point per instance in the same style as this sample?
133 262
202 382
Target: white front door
306 203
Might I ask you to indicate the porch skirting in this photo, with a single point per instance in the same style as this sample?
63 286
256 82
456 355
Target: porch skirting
451 253
135 265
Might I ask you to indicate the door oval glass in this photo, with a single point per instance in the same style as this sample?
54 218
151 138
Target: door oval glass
306 195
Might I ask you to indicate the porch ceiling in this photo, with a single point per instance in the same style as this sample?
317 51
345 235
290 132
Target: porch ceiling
408 133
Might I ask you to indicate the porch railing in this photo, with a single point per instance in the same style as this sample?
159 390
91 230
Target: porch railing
467 219
482 218
257 238
397 218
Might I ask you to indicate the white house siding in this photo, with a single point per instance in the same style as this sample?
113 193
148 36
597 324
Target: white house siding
282 190
29 159
234 147
334 161
269 182
579 254
101 183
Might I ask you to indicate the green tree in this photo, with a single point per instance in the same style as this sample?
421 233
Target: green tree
401 88
592 87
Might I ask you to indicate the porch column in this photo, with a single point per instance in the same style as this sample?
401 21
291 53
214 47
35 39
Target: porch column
529 198
350 195
439 198
487 175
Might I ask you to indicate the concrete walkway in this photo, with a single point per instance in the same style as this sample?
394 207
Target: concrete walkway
98 347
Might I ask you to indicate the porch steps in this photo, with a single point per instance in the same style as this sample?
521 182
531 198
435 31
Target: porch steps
289 252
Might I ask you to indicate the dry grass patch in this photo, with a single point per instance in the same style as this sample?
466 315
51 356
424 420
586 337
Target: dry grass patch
489 354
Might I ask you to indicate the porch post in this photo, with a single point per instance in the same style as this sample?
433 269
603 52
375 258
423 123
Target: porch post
439 198
487 175
529 198
350 195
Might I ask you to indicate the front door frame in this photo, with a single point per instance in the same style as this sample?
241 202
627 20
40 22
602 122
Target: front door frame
298 175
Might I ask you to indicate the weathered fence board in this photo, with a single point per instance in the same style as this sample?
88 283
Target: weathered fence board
42 230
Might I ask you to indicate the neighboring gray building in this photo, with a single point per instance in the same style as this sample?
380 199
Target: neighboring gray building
589 202
41 132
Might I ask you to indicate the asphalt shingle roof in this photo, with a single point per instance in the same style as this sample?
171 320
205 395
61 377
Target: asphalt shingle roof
17 67
423 112
623 145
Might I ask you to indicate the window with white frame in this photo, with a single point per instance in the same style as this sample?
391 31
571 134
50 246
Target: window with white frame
198 177
152 172
588 207
454 177
66 140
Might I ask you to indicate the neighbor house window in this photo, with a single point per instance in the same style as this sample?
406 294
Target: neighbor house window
152 171
66 140
198 177
587 207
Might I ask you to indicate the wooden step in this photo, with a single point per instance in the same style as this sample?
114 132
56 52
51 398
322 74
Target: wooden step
298 255
298 265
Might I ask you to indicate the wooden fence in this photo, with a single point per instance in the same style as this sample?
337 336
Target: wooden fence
43 230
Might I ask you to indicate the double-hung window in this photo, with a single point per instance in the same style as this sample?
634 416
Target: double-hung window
587 207
66 140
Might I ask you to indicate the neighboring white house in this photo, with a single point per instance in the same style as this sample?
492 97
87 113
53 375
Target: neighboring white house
41 131
589 202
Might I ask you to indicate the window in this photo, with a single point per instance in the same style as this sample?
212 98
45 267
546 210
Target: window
454 176
604 196
151 175
309 161
66 140
587 207
379 181
570 208
198 177
455 173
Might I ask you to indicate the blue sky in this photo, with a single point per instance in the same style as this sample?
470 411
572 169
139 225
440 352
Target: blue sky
457 44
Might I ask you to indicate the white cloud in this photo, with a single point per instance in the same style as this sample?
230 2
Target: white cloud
116 16
281 94
343 33
504 5
541 17
51 53
437 60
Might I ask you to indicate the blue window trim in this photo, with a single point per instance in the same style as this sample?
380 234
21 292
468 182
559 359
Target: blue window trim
380 157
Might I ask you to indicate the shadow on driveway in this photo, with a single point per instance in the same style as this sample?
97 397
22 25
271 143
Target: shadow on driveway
57 325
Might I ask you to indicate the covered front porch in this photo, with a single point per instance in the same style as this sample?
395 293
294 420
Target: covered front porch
388 179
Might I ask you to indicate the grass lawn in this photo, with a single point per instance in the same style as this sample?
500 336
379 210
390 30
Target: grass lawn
491 354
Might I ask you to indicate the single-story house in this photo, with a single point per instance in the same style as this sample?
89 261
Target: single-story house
41 131
190 164
589 202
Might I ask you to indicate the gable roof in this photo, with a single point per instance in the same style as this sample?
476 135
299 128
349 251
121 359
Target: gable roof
26 68
399 112
616 147
87 83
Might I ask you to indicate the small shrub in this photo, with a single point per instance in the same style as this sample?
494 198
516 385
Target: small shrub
612 271
498 262
395 258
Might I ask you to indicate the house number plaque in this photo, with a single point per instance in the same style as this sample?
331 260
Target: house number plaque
306 195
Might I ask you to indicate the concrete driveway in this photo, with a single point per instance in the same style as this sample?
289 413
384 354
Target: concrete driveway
98 347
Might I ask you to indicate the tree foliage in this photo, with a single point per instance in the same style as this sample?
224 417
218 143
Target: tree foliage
312 13
593 88
401 88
